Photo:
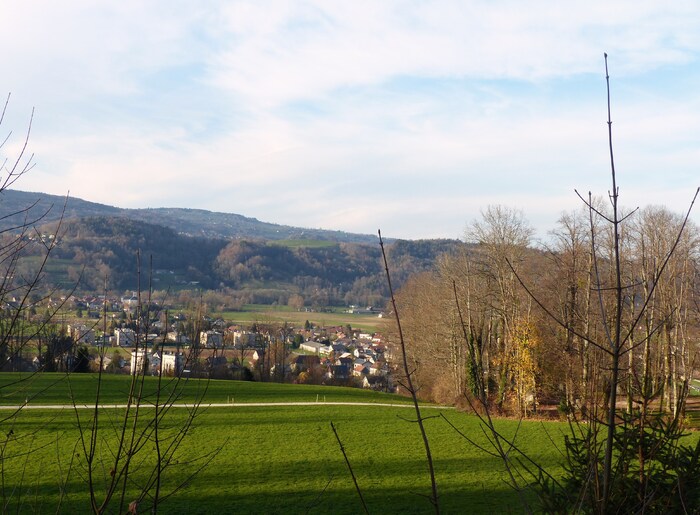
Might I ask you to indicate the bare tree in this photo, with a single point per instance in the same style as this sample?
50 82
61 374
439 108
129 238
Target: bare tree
618 297
502 237
568 282
615 461
127 455
410 387
24 255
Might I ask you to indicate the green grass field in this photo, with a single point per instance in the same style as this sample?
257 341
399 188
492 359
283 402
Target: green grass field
272 459
47 388
279 314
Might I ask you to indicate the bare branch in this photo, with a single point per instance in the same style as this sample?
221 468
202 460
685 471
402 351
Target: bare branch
352 474
434 498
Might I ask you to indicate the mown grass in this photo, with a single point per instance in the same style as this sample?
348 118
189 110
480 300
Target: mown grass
46 388
271 459
282 460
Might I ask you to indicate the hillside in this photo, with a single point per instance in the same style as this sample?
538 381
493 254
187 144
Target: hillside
323 273
192 222
248 261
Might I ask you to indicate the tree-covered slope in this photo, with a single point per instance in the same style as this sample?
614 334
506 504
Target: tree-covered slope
96 247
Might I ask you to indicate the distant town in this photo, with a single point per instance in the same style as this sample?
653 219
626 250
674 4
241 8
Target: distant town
126 335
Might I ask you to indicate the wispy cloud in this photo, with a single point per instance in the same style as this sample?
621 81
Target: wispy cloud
352 115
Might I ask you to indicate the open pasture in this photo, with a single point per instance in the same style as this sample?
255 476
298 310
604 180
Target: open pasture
48 388
279 314
270 459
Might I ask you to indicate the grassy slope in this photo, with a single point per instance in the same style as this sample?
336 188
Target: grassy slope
281 459
61 389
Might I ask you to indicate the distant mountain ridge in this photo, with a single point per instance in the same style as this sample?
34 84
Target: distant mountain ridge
15 205
246 261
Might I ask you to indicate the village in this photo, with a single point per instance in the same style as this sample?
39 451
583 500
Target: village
118 335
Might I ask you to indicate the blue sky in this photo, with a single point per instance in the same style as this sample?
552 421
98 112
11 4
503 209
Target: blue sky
409 116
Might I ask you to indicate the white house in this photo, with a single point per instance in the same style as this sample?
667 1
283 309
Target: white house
125 337
139 361
177 337
82 334
212 339
172 363
242 339
311 346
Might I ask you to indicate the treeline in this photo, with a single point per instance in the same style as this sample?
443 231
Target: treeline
516 321
243 271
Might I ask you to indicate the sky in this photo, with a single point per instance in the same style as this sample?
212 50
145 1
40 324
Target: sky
407 116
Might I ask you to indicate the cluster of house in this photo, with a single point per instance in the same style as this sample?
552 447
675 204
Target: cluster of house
359 357
326 355
362 358
94 305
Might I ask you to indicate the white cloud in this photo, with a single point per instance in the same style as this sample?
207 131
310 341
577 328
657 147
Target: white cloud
352 115
302 53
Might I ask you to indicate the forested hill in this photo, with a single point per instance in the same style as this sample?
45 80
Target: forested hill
42 208
252 270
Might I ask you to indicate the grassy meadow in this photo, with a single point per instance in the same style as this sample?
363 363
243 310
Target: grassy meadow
270 459
61 389
280 314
